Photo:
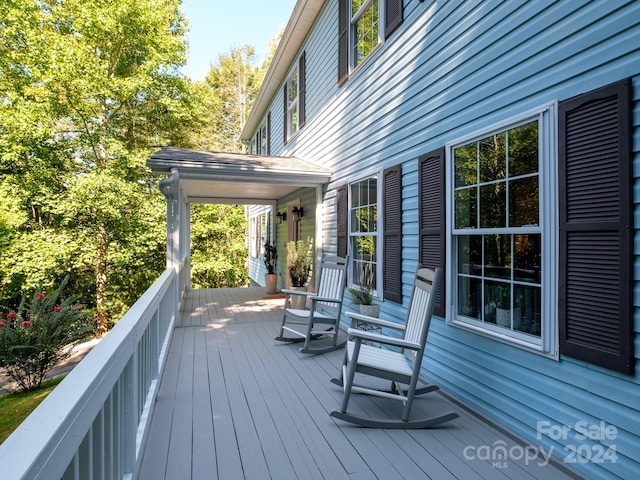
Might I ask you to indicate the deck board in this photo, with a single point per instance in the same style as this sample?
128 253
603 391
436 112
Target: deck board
234 403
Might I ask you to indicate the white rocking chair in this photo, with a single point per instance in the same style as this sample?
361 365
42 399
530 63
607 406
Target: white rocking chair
324 308
389 364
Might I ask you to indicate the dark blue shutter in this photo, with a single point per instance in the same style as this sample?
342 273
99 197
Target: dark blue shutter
343 41
302 89
431 216
392 16
286 97
392 237
269 133
596 228
342 215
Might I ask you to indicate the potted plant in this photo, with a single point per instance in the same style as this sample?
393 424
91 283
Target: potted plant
270 257
502 304
363 295
299 261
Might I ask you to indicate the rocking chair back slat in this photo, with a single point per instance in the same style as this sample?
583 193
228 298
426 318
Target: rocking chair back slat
332 281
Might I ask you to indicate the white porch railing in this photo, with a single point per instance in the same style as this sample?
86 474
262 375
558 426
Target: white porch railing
95 422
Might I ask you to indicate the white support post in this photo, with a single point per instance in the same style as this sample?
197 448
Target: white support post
319 237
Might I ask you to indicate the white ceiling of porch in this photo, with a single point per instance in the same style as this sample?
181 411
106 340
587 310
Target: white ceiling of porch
215 177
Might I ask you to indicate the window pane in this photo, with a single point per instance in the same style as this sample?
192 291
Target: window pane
465 161
527 258
493 158
469 295
372 192
355 6
493 205
470 254
523 149
527 312
365 33
497 303
365 260
497 256
524 199
355 195
466 202
363 219
293 87
293 120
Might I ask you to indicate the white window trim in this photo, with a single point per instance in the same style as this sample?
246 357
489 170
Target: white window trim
353 69
547 345
377 293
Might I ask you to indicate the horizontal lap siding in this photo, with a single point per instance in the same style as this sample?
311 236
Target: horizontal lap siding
450 69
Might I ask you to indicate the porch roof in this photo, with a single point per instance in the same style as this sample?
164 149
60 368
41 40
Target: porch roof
219 177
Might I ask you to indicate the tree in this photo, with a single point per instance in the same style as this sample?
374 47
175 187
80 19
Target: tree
228 93
219 250
89 90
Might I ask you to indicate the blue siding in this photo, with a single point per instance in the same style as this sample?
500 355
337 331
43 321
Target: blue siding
452 68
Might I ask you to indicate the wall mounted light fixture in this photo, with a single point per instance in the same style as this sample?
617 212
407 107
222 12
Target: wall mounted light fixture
298 213
280 217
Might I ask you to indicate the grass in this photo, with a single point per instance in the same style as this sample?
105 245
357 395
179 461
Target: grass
15 407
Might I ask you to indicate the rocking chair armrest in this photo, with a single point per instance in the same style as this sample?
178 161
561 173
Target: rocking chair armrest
376 337
325 299
374 320
297 292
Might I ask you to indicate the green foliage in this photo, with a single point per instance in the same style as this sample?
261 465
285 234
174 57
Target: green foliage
39 335
89 89
226 97
219 251
299 261
362 294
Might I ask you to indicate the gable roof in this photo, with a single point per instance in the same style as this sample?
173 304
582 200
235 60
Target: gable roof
299 25
219 177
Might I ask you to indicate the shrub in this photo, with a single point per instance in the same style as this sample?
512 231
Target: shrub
36 337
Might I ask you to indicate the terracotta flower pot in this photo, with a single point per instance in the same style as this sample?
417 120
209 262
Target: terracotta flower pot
270 280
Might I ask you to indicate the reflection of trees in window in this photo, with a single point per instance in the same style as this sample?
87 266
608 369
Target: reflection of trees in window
292 103
364 226
365 22
496 192
496 180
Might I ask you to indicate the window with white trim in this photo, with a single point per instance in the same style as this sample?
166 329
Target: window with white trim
363 231
502 223
259 234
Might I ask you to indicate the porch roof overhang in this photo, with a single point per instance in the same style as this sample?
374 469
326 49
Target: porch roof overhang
218 177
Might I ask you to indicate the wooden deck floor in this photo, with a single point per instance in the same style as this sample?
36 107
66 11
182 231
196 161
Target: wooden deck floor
234 404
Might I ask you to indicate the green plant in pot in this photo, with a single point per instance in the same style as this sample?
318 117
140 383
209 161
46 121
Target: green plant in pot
501 303
362 295
299 261
270 258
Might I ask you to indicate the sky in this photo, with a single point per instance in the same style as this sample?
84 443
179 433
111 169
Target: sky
216 26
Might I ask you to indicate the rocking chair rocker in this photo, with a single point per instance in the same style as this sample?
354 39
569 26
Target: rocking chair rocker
392 365
325 308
